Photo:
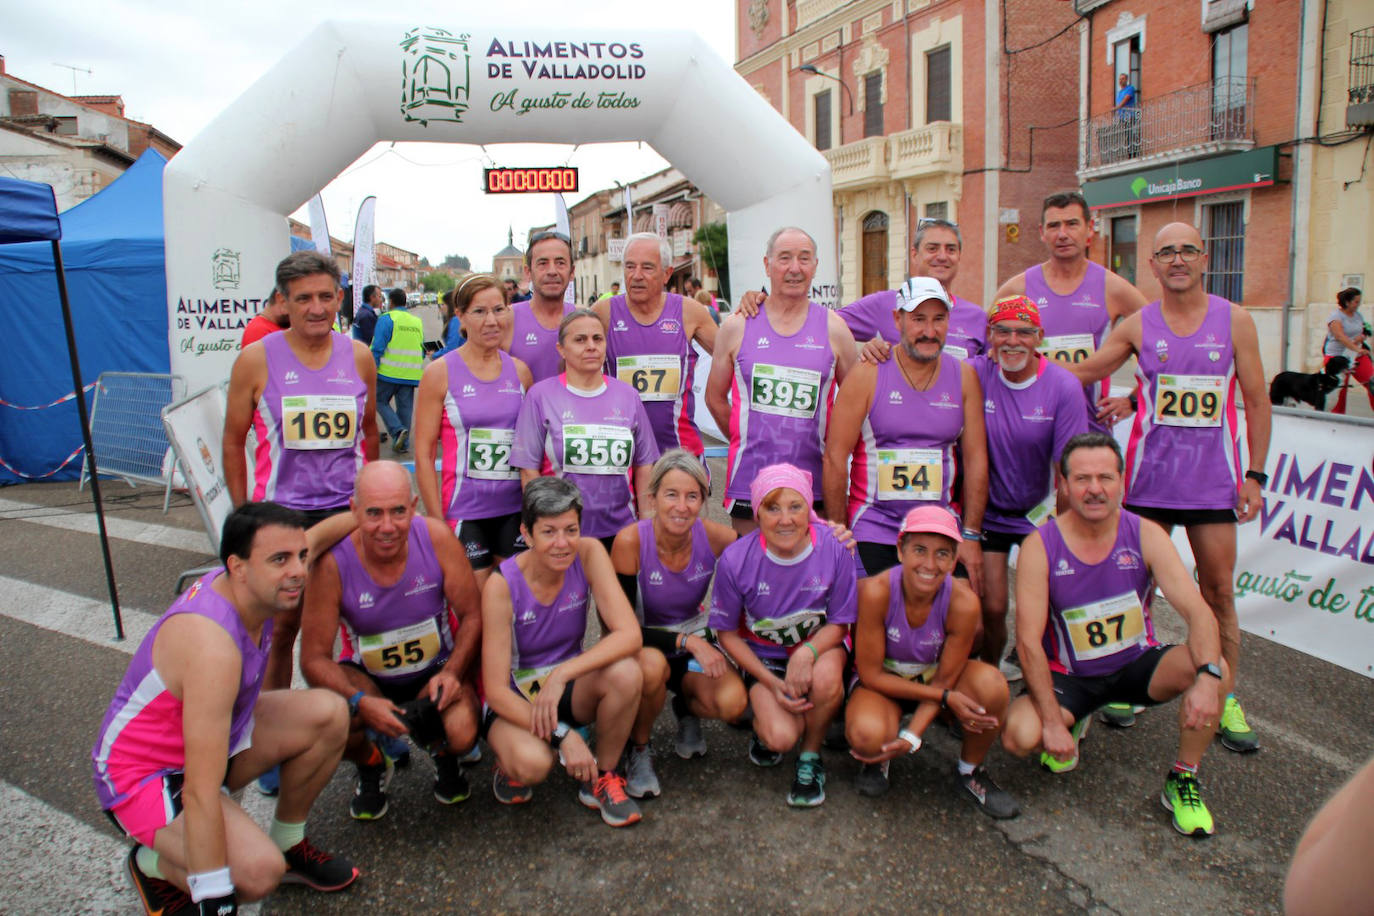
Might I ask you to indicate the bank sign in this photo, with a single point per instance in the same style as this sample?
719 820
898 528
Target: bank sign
1254 168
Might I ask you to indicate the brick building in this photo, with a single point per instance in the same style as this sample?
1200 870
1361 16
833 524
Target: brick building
923 110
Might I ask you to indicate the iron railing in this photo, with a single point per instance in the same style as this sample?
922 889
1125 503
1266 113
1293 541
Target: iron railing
1361 86
1214 115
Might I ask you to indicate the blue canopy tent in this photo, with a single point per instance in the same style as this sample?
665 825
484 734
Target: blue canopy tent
113 245
28 214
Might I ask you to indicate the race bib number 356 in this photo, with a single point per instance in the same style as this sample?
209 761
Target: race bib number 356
784 391
1189 400
597 448
319 421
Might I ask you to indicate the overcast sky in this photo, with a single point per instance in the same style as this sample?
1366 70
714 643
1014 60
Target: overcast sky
178 64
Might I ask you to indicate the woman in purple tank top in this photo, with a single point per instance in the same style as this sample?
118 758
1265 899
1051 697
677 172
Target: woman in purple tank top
539 682
916 627
466 408
665 565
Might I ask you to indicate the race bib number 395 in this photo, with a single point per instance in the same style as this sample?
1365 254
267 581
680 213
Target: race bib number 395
319 421
1189 400
784 391
597 448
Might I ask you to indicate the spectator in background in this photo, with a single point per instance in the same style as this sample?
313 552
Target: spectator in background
453 325
273 317
1347 335
613 291
1127 110
399 349
513 287
365 320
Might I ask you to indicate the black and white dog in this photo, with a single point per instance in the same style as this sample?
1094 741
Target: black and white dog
1308 387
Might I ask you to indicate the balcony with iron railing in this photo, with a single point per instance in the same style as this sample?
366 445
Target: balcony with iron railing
926 150
1359 109
1202 120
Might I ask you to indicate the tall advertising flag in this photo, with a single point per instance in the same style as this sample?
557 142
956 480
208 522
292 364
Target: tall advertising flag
363 254
563 224
629 211
319 227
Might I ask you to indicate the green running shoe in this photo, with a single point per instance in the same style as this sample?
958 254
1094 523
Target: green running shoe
1055 765
1236 733
1180 795
1117 715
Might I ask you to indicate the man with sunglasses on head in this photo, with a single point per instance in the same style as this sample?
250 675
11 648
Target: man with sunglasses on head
534 331
1079 301
1183 460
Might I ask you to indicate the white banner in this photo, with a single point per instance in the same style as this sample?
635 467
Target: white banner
563 224
661 220
195 427
319 227
615 250
363 255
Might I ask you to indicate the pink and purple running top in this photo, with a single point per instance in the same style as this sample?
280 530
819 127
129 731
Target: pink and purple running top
544 635
308 424
668 599
780 399
905 454
1185 428
595 439
476 435
533 344
1075 325
910 651
871 317
777 604
140 739
659 362
1099 614
399 633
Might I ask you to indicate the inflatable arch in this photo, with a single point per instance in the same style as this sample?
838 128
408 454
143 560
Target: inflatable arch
349 85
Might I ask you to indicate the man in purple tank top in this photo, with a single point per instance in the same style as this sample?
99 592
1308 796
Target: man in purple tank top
1085 635
534 331
190 718
1079 301
402 589
1193 351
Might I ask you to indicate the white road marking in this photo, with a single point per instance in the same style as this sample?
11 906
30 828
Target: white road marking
191 541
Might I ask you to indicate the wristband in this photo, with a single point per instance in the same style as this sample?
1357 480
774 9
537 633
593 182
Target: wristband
944 699
971 535
560 731
207 884
909 738
353 702
815 656
1258 476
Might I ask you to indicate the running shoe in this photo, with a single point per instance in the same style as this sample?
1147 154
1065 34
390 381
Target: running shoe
760 755
640 779
1181 797
872 779
1117 715
507 790
1236 733
991 799
402 440
317 869
607 795
269 783
472 757
690 741
369 796
1054 765
397 750
450 785
808 786
159 897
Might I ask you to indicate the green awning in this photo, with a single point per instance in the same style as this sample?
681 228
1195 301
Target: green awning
1254 168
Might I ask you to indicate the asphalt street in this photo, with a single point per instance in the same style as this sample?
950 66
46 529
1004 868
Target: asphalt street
721 839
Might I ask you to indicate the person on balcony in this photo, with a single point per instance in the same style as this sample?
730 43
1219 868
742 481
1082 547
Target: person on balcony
1127 110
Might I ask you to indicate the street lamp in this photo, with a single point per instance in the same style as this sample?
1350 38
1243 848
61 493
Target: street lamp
811 68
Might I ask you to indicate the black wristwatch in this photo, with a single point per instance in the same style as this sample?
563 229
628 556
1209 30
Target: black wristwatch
560 732
1211 668
1258 476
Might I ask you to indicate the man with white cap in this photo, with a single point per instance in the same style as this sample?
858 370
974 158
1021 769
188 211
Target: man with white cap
901 420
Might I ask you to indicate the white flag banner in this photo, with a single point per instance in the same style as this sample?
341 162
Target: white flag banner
364 270
319 227
661 220
564 225
629 210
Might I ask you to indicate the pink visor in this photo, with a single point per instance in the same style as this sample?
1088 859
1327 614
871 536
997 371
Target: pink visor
932 520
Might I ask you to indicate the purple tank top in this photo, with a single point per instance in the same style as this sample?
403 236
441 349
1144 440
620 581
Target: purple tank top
1099 619
1075 324
871 317
780 399
397 633
659 362
140 738
309 428
476 434
534 344
668 599
909 652
1186 424
905 453
545 635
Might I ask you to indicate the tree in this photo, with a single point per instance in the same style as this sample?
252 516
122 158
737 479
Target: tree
457 262
714 244
437 283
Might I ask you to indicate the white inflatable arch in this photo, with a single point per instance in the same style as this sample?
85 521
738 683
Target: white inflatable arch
349 85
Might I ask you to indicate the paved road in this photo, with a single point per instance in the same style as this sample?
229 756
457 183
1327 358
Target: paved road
1096 840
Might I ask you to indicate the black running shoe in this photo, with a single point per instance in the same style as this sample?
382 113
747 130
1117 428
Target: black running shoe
450 785
317 869
760 755
159 897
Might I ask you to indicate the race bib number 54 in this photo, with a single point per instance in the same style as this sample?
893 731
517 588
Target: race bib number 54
910 473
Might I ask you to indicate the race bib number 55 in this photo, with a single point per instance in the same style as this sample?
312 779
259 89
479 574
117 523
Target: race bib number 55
402 651
319 421
597 448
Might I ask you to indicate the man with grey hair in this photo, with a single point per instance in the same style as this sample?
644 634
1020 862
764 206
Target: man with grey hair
649 340
774 374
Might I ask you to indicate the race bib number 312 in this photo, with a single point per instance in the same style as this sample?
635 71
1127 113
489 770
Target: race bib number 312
489 454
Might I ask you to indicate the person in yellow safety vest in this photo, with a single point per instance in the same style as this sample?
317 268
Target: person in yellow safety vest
398 347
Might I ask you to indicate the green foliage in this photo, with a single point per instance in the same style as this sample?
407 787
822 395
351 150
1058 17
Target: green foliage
437 283
713 243
457 262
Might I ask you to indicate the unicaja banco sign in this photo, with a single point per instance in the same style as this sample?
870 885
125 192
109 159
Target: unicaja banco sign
1256 168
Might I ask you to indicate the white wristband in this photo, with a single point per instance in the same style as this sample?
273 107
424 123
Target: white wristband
909 738
208 885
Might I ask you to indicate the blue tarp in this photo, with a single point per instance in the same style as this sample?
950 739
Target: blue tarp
112 249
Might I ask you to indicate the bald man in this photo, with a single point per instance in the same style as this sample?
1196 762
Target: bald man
403 591
1192 349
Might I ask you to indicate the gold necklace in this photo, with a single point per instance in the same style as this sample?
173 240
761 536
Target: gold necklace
907 375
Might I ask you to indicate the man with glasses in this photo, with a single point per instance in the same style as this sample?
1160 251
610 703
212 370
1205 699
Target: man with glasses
534 330
1183 461
1079 301
649 341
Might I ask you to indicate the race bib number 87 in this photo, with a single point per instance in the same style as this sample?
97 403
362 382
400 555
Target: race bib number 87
1105 627
597 448
785 391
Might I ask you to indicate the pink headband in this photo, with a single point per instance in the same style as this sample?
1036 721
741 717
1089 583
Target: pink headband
780 475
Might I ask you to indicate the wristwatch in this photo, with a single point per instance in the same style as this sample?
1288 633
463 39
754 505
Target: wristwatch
560 732
1211 668
353 702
